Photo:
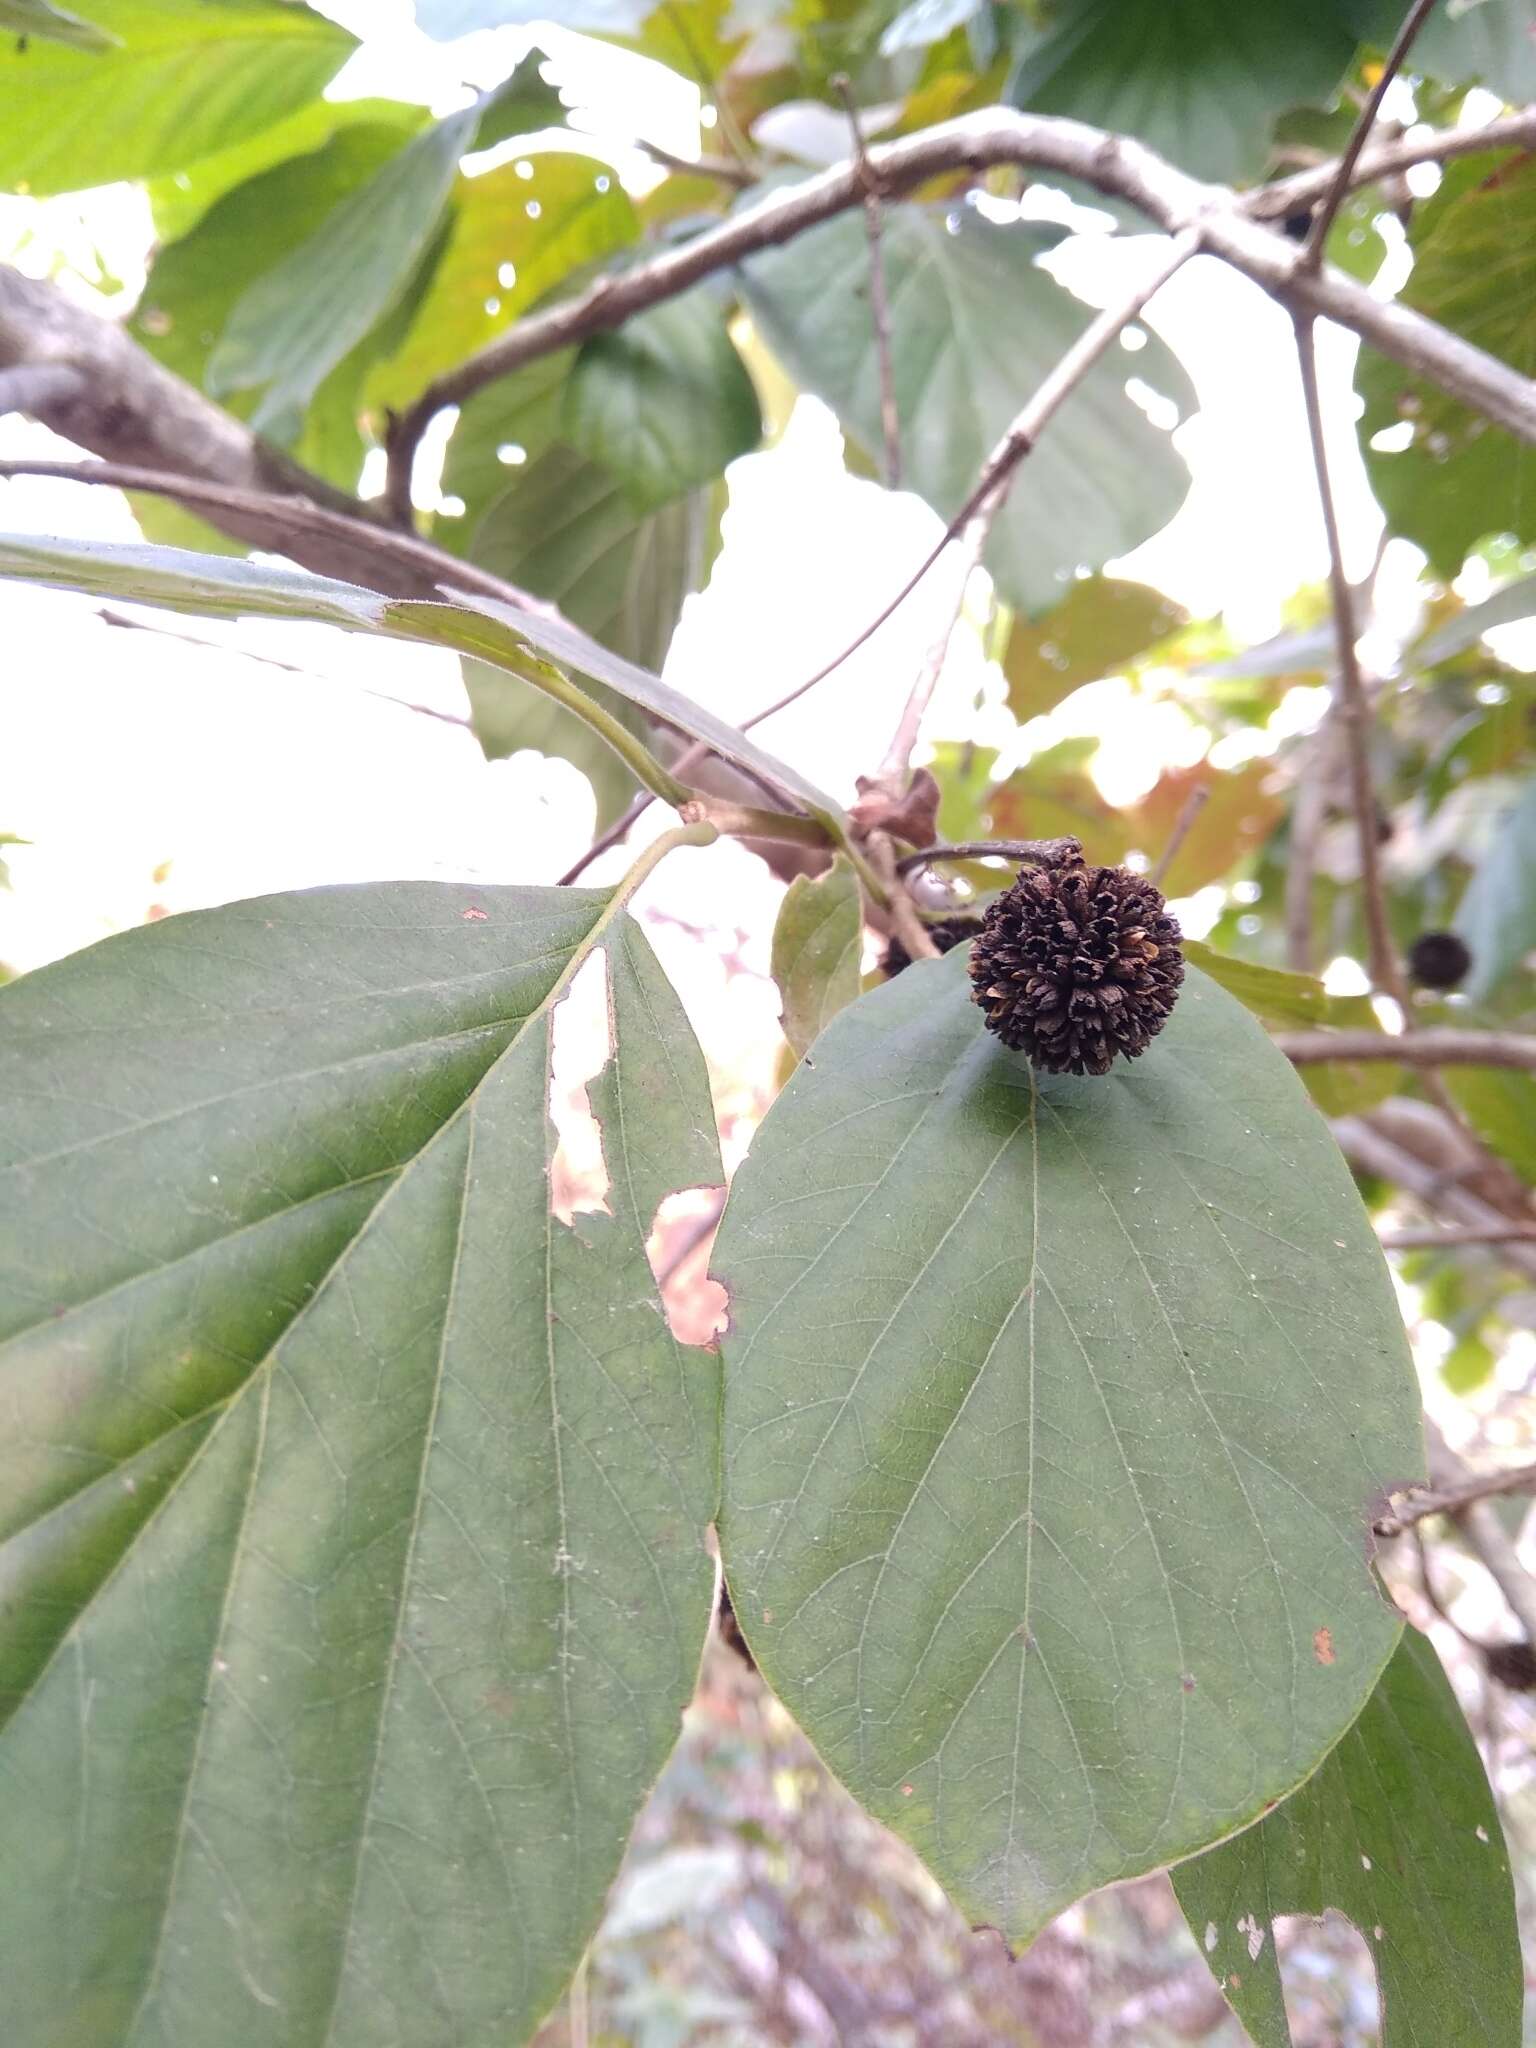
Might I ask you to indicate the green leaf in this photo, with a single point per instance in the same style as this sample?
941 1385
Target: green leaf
354 1507
182 198
1199 80
1291 1001
975 326
1459 477
1515 601
215 588
1054 1411
1497 915
1398 1830
1100 625
1487 42
184 81
514 238
301 317
817 940
523 105
1500 1105
564 530
195 283
664 402
53 24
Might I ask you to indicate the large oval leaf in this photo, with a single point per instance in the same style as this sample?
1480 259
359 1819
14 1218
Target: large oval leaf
1399 1831
352 1561
1055 1410
975 325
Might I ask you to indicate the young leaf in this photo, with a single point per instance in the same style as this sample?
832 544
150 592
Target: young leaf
1457 478
665 402
1291 1001
301 317
1398 1830
182 81
816 951
518 231
195 283
1102 623
975 326
1054 1412
354 1508
1497 915
1200 81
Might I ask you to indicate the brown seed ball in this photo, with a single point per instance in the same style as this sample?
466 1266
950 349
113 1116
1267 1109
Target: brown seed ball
1438 960
946 933
1076 965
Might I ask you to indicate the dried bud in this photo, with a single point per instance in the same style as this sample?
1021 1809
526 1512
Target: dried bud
1438 960
1076 964
946 934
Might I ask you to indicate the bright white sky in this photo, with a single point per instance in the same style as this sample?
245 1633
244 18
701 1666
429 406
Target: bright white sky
152 772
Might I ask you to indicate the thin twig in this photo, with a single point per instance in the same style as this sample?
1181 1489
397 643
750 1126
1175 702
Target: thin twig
1118 165
1371 1150
1045 852
742 821
1184 824
1416 1049
997 471
1355 709
898 755
906 923
1431 1236
1333 199
724 168
879 308
1302 190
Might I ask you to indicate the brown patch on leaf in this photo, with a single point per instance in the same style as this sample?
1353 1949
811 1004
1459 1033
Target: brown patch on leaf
1322 1645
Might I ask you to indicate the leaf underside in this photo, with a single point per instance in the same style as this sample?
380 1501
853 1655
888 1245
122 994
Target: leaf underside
1397 1830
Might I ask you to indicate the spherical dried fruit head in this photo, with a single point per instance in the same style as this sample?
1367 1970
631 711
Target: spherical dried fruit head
1077 966
1439 960
946 933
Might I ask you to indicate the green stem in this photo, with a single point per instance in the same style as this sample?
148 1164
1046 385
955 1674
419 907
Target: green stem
497 649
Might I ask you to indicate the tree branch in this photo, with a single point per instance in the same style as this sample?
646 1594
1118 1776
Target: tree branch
1386 971
1431 1236
1303 189
1372 1150
976 142
91 382
1448 1500
879 310
398 564
1044 852
1420 1049
1343 177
